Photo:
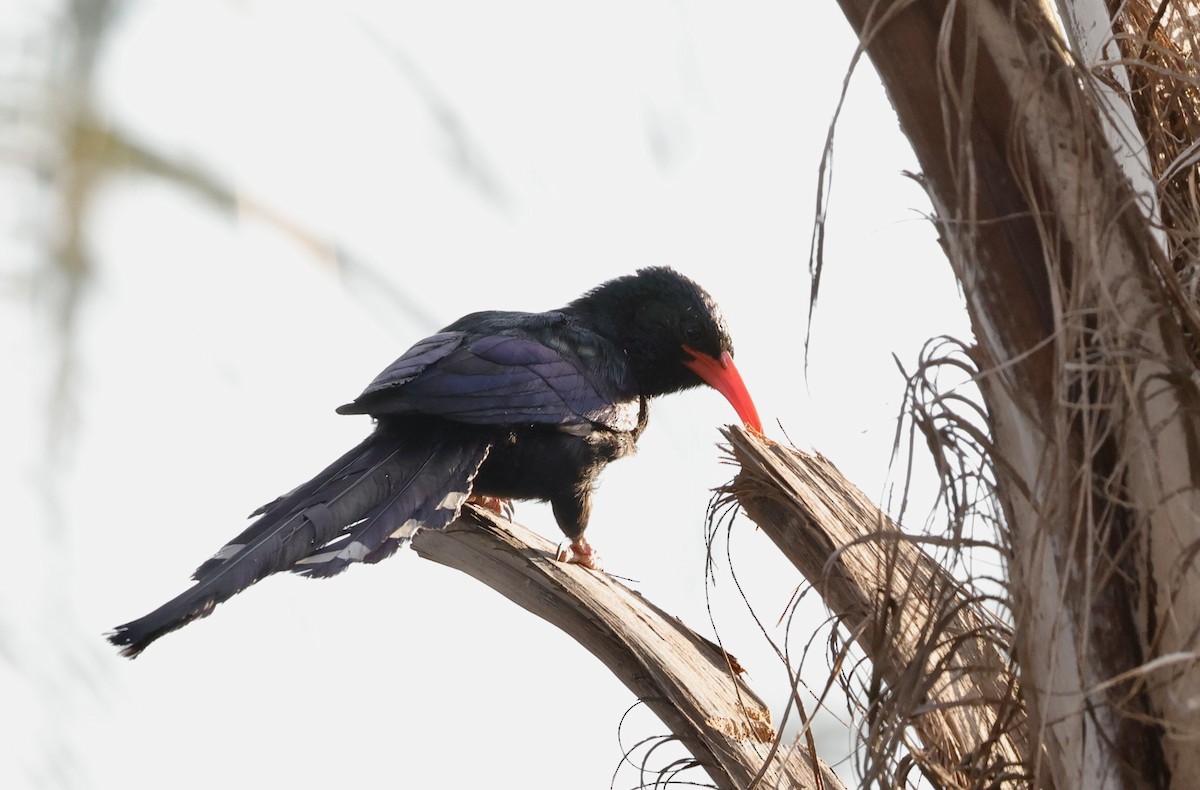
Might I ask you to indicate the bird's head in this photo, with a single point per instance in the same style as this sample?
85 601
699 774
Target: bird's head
673 333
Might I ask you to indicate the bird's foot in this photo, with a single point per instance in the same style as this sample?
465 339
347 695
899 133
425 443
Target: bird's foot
580 552
501 507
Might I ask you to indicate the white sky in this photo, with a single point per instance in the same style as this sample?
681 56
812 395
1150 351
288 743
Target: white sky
214 350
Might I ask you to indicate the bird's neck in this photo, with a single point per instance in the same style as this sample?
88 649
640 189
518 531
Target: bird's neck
612 311
607 318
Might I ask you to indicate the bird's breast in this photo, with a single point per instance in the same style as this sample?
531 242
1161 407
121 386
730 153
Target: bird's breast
541 461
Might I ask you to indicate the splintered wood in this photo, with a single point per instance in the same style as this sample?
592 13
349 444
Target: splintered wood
938 653
746 729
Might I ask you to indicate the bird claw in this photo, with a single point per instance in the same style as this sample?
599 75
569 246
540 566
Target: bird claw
580 552
501 507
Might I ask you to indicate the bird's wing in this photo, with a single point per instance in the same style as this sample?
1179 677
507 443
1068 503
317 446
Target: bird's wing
508 368
413 362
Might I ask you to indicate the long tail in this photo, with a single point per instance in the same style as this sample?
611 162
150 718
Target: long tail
360 509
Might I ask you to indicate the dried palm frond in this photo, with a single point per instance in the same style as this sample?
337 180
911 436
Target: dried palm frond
1160 45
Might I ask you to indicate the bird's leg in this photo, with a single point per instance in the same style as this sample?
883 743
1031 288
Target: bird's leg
571 513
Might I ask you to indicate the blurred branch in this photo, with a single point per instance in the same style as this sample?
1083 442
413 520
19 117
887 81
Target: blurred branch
690 683
104 147
46 80
465 153
112 150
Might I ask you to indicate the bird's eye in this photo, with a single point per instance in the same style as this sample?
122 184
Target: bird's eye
693 332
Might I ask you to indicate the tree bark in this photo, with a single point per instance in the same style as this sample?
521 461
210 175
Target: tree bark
1089 382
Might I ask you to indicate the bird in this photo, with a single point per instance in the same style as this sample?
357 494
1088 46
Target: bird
498 406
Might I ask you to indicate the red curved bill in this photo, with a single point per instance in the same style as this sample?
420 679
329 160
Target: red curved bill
722 375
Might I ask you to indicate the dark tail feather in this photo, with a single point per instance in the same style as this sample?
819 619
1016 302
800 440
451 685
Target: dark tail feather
362 507
430 497
334 480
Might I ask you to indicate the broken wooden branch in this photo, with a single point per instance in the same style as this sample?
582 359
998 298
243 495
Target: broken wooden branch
690 683
940 653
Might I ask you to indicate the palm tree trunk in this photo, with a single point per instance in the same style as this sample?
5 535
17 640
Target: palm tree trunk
1087 372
